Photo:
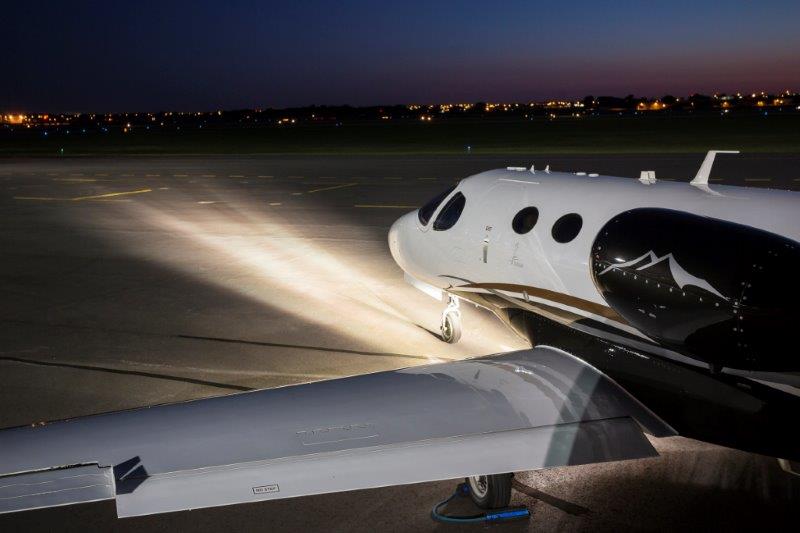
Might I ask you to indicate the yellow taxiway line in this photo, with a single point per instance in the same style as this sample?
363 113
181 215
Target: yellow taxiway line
109 195
40 198
379 206
333 187
80 198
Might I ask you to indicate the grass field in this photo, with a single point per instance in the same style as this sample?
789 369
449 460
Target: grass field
605 134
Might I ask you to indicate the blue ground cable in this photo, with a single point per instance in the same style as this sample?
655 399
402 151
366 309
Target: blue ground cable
498 515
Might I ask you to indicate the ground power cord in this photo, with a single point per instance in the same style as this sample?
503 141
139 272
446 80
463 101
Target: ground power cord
494 515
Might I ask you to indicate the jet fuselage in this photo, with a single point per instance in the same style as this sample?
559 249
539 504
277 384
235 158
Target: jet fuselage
686 295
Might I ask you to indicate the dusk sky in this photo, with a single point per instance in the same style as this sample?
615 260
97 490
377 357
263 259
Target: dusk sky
199 55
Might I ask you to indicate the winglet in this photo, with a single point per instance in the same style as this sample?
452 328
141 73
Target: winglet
701 178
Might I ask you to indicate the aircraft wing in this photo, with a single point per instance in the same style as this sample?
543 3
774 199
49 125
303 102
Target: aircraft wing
517 411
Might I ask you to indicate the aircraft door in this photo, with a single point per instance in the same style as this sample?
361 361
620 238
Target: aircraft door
495 248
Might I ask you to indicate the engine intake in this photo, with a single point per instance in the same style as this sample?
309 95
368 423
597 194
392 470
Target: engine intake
717 291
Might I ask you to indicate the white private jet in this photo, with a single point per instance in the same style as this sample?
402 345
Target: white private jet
652 307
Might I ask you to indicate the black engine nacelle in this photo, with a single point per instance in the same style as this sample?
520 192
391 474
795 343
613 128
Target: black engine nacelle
714 290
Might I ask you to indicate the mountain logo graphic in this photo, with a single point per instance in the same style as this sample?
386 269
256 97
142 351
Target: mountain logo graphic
679 275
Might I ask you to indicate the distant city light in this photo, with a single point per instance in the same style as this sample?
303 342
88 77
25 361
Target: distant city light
716 102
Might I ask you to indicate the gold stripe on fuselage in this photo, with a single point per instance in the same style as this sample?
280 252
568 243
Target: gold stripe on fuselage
553 296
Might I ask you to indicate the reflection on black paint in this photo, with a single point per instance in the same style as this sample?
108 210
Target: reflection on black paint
717 291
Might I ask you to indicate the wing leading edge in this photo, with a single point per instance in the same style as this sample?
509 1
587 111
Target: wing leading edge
518 411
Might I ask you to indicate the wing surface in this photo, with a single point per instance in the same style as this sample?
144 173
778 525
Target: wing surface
518 411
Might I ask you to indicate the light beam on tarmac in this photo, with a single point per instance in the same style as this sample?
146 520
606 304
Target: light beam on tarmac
320 282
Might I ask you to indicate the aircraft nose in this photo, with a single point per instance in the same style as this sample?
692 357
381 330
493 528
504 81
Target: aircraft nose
398 239
394 240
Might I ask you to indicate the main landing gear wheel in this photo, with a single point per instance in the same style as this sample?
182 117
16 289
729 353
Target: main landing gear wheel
451 322
491 492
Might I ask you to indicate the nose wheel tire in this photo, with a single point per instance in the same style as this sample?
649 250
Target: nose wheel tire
451 326
491 492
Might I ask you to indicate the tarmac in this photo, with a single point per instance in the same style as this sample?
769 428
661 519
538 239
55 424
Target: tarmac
135 281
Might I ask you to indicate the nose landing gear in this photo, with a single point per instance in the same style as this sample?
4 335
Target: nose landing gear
451 321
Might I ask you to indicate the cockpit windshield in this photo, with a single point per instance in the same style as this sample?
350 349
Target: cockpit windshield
450 213
427 210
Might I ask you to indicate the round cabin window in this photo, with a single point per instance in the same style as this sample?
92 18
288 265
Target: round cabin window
525 220
567 227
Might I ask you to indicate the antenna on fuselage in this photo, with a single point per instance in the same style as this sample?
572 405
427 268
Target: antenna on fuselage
701 178
547 169
533 169
648 177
